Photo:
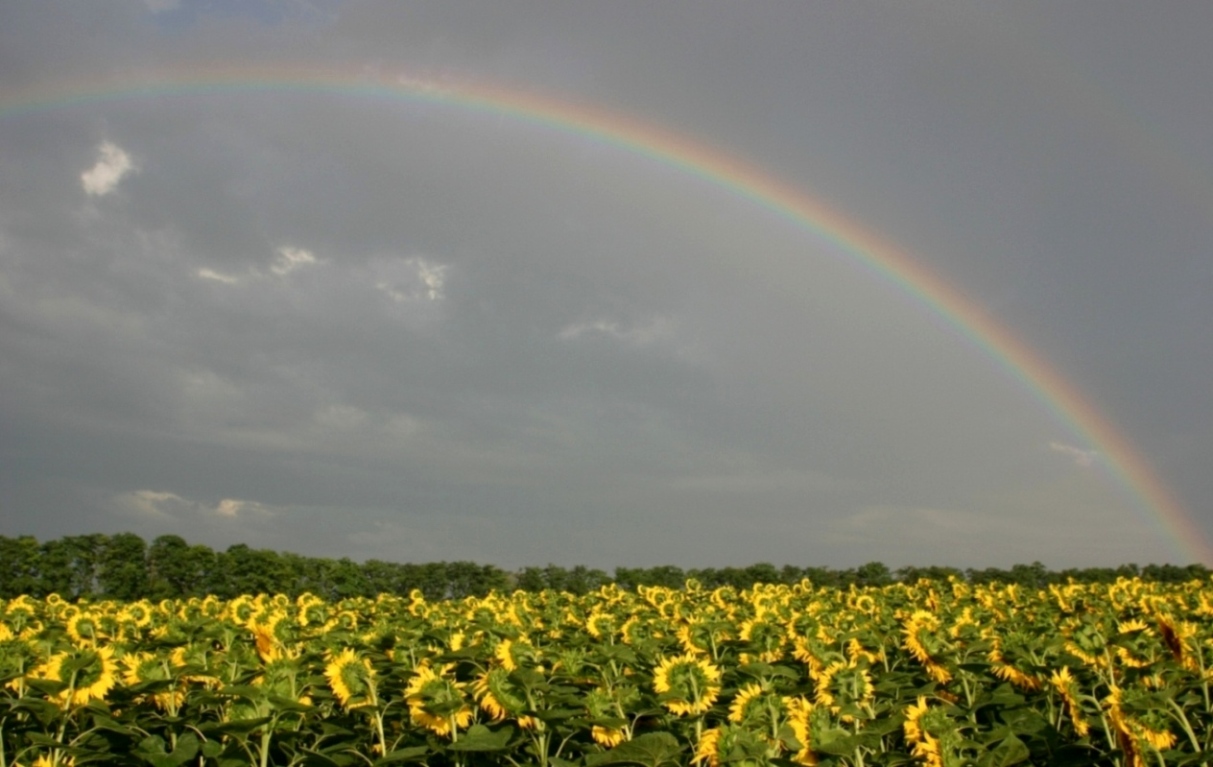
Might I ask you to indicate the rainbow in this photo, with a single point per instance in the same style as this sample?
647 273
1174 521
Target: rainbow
878 257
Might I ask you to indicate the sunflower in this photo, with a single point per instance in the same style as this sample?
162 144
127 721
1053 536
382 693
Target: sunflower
799 713
1067 687
1008 672
436 702
921 625
1131 733
352 680
1175 636
707 750
926 746
142 667
729 744
601 624
912 725
500 698
512 653
88 673
842 684
748 697
765 634
138 613
83 628
607 736
687 684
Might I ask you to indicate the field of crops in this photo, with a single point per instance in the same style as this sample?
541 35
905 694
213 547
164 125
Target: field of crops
936 673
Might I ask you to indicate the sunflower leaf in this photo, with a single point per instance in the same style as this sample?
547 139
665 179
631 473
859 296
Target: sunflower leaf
652 749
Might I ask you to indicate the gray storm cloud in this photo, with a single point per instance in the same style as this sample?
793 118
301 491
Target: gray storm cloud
311 318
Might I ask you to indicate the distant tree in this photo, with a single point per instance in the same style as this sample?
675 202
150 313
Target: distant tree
912 574
381 577
873 574
763 572
122 567
19 568
167 572
254 571
1033 576
583 580
530 579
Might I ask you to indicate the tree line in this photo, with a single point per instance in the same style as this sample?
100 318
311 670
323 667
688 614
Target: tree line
125 567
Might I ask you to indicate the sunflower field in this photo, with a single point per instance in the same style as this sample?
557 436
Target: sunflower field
934 673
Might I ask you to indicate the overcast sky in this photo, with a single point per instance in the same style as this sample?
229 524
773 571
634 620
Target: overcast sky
404 329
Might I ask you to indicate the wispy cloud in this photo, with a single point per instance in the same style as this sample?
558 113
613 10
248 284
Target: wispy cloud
1084 458
289 259
410 279
159 504
646 334
113 164
211 274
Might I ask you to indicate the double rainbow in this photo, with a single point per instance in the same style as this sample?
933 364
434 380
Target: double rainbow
880 258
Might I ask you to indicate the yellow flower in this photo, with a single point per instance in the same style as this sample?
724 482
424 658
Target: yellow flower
707 750
500 698
690 685
747 694
1067 687
268 646
512 653
436 702
919 622
914 712
82 628
799 710
607 736
88 673
352 680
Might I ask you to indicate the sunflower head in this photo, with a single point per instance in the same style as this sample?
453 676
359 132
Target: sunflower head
83 627
352 680
730 744
87 673
499 697
436 702
687 684
513 653
800 719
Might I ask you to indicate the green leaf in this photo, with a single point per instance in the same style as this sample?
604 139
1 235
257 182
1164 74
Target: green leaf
287 704
558 714
410 754
212 749
317 759
481 738
151 749
652 749
109 725
238 727
245 691
1010 751
837 746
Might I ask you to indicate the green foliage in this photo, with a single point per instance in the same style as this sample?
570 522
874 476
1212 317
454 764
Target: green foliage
123 567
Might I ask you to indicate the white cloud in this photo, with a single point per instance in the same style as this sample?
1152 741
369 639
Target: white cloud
289 259
149 502
113 164
158 504
211 274
656 330
234 508
1084 458
162 6
410 279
